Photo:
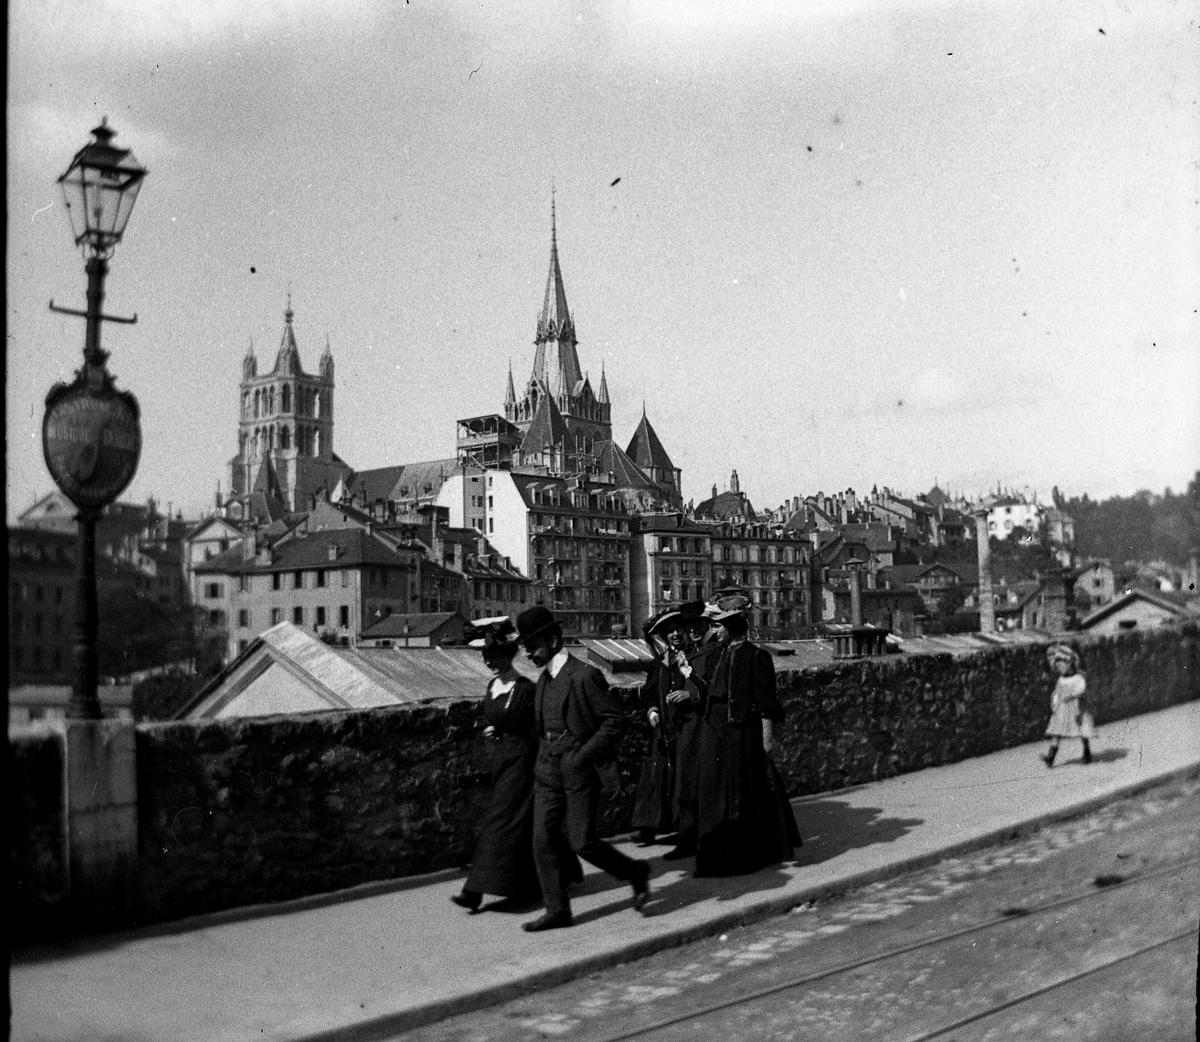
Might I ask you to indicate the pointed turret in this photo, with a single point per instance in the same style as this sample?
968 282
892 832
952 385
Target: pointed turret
326 363
602 396
249 362
648 453
510 396
646 450
287 361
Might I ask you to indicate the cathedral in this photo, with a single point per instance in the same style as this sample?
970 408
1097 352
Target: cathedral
285 453
560 425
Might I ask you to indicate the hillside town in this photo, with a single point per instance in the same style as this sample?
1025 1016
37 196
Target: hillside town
539 504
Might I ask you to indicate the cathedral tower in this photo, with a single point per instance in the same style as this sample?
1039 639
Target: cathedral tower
285 429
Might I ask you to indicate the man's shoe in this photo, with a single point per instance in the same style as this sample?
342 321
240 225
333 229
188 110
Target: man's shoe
645 837
468 899
641 887
679 853
549 921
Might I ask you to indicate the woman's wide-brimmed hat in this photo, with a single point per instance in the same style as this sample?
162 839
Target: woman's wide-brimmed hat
726 607
534 621
1057 653
495 634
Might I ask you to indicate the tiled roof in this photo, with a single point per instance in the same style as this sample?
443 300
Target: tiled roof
409 481
355 547
420 624
547 428
1157 599
626 473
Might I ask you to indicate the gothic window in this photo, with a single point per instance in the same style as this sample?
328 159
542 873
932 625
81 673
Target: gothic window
284 439
271 402
245 405
316 443
285 398
317 403
257 400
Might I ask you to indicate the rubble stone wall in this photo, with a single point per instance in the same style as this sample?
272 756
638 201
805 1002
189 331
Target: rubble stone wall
240 812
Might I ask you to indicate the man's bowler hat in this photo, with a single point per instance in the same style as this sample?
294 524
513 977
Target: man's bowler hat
534 621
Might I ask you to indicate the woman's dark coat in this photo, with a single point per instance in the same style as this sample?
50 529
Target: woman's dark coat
503 859
654 802
745 821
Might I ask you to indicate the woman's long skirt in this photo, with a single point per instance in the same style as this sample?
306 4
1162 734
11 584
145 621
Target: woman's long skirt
745 821
503 859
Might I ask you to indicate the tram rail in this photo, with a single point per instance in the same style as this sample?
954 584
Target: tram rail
1103 886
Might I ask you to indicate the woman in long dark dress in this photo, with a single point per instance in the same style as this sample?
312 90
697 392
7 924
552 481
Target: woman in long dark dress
503 859
745 821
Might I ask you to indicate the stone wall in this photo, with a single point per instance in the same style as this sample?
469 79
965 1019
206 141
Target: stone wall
237 812
39 876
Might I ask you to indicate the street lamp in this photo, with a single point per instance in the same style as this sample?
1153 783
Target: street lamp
91 435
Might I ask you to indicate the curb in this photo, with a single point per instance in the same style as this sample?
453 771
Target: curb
390 1024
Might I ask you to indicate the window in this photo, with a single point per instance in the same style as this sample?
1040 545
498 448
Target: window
243 583
243 644
212 590
298 615
214 618
276 616
344 616
321 616
277 581
345 578
243 618
298 580
320 578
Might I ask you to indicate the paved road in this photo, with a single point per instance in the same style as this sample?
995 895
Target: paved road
1085 930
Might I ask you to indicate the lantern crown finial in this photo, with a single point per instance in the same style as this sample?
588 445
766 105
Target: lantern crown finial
99 189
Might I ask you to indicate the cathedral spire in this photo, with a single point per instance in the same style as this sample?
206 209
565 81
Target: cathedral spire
556 363
602 394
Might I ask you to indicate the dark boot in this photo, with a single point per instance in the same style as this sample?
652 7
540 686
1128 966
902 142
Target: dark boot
1087 751
645 837
1050 754
468 899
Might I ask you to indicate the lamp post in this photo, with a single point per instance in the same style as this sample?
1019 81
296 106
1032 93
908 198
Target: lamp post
91 435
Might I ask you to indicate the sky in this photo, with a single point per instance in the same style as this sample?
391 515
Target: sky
827 244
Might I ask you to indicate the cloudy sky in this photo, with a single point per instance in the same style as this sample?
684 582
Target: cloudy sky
850 244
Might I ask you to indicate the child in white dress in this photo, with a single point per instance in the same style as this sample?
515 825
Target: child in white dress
1069 717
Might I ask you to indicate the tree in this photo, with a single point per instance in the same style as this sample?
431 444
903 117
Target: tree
137 633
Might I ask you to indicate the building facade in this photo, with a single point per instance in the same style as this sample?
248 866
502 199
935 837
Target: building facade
333 583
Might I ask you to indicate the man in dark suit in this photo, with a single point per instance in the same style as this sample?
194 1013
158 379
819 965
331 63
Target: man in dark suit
578 720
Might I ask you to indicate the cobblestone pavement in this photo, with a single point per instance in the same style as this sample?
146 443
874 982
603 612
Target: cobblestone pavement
1126 839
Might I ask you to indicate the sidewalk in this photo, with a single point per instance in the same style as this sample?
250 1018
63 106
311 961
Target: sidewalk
377 961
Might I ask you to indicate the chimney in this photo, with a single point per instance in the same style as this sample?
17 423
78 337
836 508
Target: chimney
250 543
987 610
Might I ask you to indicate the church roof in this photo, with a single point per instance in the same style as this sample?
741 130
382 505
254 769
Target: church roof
646 450
287 361
547 427
626 473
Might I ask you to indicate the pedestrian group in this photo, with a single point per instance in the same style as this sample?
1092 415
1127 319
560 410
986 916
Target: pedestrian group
708 780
